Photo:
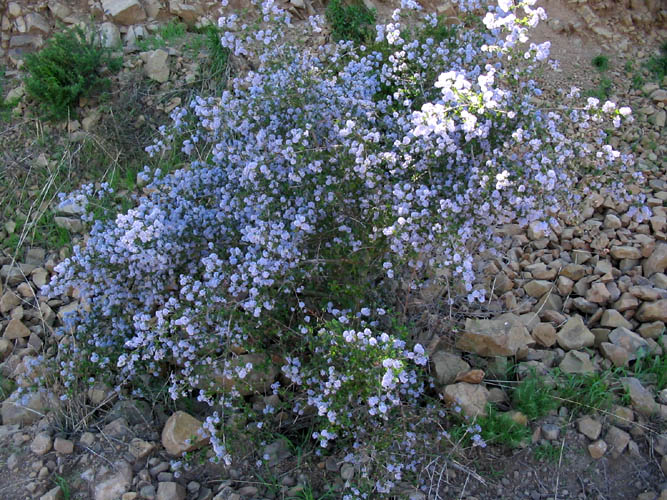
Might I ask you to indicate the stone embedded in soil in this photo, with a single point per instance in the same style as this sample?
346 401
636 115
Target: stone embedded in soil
597 449
63 446
20 409
575 335
550 431
182 433
641 398
617 439
53 494
111 484
589 427
502 336
576 362
139 448
652 311
472 398
41 444
170 490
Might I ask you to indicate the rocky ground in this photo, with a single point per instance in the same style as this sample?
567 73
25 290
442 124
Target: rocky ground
589 297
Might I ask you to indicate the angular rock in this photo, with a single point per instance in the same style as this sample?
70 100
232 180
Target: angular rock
657 262
576 362
616 354
170 490
574 271
653 311
652 330
182 433
475 376
156 65
472 398
446 366
111 484
617 439
139 448
502 336
574 335
628 340
109 35
612 318
641 398
625 252
15 330
589 427
598 294
53 494
597 449
22 409
537 288
125 12
36 24
41 444
70 223
63 446
544 334
189 13
9 301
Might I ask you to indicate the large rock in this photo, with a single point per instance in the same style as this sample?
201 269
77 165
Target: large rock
182 433
574 335
472 398
652 311
628 340
22 409
156 65
111 484
447 366
125 12
641 398
188 12
657 262
502 336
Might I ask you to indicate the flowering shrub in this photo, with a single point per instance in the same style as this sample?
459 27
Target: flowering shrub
321 187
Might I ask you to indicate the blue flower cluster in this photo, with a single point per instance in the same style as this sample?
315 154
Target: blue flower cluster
392 163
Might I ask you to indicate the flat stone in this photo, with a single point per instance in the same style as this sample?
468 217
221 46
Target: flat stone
472 398
576 362
574 335
653 311
502 336
182 433
646 293
625 252
589 427
641 398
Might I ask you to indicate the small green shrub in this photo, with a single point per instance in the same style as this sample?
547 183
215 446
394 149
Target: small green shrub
583 393
68 67
350 22
547 452
601 62
499 428
533 397
166 34
658 64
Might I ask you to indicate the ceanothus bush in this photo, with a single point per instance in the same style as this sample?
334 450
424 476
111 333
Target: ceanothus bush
314 182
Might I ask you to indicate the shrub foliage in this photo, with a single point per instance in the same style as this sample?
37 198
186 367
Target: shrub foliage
68 67
321 190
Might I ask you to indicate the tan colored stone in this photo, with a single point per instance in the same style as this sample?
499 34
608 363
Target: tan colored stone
574 335
597 449
616 354
125 12
41 444
182 433
589 427
657 262
544 334
63 446
472 398
471 376
612 318
641 398
576 362
9 301
617 439
625 252
15 330
502 336
653 311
